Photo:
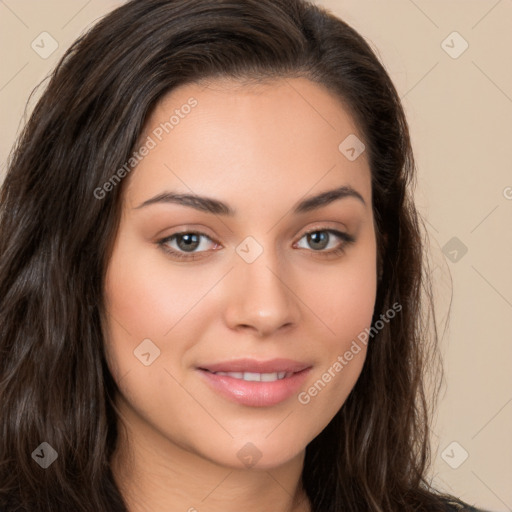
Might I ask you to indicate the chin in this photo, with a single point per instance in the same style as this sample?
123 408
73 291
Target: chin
261 454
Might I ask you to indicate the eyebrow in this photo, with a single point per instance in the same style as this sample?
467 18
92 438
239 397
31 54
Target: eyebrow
210 205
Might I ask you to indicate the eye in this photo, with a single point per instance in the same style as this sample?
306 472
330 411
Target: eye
319 239
188 245
185 244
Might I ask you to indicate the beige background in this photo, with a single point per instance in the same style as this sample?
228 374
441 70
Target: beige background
460 113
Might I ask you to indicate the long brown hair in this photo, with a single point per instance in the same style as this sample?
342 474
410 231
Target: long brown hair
56 237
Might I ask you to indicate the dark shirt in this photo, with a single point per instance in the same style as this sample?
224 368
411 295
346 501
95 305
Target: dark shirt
452 507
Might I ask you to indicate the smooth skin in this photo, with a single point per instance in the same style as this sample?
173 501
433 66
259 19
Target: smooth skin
261 149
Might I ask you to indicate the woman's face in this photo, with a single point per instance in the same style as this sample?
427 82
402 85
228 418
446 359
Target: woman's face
194 286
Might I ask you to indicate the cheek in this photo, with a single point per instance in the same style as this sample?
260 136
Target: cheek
343 297
346 309
344 302
152 308
145 300
144 296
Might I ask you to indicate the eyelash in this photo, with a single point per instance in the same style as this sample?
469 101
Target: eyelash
347 240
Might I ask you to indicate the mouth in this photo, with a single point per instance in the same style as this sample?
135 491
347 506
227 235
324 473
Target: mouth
253 383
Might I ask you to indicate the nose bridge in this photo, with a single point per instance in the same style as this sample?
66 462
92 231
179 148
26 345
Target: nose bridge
260 298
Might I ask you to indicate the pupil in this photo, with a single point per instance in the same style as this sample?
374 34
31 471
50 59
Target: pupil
315 238
189 239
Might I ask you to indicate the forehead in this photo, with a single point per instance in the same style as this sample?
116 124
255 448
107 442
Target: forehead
306 109
277 138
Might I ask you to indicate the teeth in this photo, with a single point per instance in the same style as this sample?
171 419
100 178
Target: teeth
235 375
256 377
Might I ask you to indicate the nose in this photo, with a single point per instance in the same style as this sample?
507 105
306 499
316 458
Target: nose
261 298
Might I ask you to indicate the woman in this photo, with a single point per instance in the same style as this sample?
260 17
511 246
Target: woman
173 336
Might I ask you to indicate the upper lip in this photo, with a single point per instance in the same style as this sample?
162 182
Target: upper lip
255 366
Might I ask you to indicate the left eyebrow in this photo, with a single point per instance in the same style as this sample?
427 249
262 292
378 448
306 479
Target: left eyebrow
210 205
325 198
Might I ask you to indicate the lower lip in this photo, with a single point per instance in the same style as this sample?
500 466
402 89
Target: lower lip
255 393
